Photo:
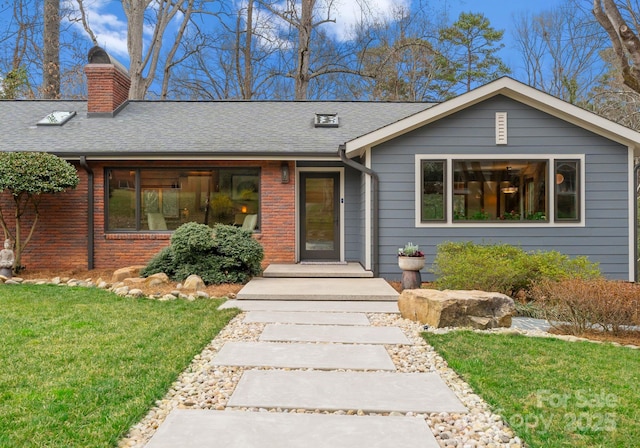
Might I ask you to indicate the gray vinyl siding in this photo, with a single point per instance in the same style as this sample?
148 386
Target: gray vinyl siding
605 237
354 216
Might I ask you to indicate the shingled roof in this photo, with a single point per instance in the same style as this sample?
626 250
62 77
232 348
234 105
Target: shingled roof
149 129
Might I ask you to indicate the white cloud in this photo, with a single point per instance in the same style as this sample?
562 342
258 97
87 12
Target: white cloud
108 23
348 13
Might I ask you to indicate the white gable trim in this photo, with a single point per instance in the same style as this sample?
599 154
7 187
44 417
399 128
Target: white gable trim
512 89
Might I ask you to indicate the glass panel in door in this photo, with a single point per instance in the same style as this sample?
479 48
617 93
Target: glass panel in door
319 216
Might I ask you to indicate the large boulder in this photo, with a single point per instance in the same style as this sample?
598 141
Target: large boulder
476 309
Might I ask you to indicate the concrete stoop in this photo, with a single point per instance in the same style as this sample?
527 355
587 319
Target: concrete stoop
324 289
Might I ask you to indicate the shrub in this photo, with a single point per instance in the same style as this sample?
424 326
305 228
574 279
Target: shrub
578 305
224 254
503 268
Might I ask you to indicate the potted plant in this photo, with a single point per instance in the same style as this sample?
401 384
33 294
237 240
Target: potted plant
410 257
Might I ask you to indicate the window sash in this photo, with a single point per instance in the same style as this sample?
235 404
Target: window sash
162 199
433 190
547 207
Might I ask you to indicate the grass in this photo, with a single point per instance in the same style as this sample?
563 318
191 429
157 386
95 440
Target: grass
552 393
80 366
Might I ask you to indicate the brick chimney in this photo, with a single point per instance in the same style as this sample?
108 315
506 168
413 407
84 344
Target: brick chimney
108 84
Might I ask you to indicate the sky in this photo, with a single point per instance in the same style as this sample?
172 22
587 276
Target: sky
501 14
106 17
107 20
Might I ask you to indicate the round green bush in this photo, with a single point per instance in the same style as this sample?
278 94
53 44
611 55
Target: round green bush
224 254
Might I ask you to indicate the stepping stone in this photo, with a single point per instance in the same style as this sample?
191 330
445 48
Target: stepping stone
332 391
302 317
334 333
186 428
312 305
316 356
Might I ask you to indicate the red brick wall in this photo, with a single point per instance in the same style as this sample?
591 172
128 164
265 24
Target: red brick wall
60 237
60 241
107 87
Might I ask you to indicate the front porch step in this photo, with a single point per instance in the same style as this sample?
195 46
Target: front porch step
338 289
317 270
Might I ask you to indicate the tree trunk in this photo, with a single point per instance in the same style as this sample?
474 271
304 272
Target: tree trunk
303 65
51 40
247 93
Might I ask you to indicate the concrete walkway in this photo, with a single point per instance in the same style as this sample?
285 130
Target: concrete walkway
315 359
324 281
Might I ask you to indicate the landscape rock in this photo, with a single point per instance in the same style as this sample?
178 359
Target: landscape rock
476 309
128 272
158 279
121 291
193 283
136 292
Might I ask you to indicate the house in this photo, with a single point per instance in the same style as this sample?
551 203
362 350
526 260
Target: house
329 181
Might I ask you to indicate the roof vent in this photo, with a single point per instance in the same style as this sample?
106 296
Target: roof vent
56 118
501 128
326 121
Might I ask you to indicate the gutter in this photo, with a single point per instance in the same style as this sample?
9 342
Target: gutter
342 151
90 205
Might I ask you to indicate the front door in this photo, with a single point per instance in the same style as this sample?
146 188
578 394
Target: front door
319 216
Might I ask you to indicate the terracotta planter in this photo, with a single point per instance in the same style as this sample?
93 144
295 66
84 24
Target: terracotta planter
411 263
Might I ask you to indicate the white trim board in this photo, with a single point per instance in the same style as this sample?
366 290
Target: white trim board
511 89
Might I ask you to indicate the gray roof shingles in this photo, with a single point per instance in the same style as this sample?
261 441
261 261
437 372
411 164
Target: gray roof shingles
155 128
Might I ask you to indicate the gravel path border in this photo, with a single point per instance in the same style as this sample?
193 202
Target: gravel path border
204 385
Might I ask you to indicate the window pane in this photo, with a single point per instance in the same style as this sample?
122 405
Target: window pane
168 198
160 199
567 190
433 197
122 199
499 190
236 196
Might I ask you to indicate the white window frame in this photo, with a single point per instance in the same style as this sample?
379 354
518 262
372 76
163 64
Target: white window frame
550 191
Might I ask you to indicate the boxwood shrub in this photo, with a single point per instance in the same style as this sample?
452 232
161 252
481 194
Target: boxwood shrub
224 254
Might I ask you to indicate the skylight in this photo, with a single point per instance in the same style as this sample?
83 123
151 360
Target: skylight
326 121
56 118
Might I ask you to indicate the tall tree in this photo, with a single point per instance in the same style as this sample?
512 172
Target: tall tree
51 44
560 49
20 38
405 63
611 98
474 47
304 17
145 58
316 55
620 19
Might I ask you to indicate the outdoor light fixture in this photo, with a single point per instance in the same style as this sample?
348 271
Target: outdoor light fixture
284 171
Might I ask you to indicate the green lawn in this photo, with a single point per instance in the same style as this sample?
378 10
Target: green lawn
79 366
552 393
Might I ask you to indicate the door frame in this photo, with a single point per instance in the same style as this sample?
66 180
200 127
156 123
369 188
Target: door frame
340 171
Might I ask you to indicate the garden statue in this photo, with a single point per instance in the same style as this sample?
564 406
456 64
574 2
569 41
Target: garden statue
6 259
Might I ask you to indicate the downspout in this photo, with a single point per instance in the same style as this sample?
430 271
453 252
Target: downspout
342 151
635 220
90 204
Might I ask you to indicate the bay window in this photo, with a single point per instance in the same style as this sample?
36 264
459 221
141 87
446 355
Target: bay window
141 199
494 190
